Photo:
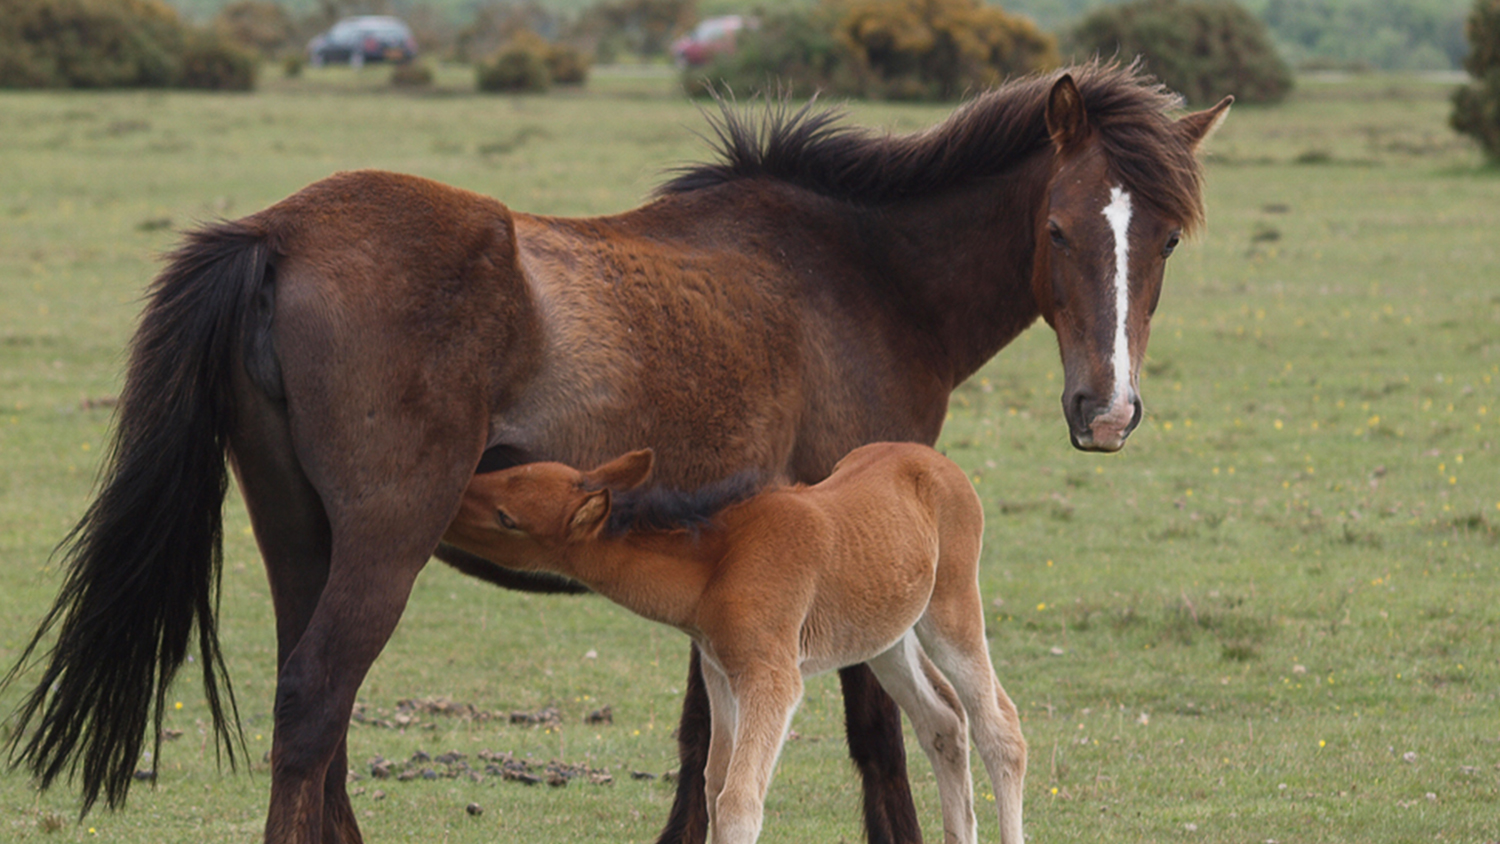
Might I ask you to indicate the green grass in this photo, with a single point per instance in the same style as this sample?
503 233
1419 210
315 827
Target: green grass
1234 630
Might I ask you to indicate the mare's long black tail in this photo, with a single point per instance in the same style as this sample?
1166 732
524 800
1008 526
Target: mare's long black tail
143 564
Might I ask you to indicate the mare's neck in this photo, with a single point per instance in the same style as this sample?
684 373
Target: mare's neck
961 261
660 576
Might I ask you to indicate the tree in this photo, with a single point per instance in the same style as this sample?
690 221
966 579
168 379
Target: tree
1476 106
1203 49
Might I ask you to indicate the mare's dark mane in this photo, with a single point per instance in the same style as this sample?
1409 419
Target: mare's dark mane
810 148
661 509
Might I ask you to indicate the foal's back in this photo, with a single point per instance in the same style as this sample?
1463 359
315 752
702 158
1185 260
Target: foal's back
857 557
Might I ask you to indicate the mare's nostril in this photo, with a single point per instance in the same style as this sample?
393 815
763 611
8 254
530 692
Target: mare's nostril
1084 407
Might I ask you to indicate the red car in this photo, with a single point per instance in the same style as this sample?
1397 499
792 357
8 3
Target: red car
711 37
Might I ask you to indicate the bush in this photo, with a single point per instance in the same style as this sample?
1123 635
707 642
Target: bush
211 63
518 67
567 64
259 25
940 49
893 49
794 52
411 75
1203 49
496 25
1476 106
112 44
637 27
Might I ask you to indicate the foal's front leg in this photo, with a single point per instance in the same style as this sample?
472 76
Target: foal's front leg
765 700
723 716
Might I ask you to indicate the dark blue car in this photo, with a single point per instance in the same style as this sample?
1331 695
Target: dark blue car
368 38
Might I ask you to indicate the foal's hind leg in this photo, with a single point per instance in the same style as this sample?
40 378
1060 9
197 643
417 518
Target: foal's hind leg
952 632
938 720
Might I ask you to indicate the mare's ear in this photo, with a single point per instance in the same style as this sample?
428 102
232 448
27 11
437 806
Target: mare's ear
589 518
1196 127
1067 119
625 472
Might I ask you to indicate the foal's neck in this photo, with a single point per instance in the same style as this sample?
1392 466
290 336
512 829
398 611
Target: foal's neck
658 575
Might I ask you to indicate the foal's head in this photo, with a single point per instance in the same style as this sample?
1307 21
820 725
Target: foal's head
1123 193
535 506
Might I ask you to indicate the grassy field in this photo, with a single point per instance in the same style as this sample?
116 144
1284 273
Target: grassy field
1274 616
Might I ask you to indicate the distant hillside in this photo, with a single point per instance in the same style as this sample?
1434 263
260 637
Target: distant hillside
1384 34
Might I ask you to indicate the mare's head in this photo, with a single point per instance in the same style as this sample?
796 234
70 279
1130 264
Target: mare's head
1125 188
510 514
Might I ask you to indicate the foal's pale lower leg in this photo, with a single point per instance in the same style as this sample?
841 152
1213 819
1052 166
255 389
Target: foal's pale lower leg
963 657
764 707
938 720
722 716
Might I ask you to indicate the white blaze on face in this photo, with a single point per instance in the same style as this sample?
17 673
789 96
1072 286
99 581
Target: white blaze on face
1117 212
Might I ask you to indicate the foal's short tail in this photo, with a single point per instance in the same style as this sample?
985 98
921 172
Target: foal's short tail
143 564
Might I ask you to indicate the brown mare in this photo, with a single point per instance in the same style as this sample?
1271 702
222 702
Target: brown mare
356 348
878 563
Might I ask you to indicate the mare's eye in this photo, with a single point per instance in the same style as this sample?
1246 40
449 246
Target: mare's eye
1172 241
1055 231
505 520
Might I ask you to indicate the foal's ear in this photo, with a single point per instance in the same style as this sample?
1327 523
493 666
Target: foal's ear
588 519
1067 119
625 472
1196 127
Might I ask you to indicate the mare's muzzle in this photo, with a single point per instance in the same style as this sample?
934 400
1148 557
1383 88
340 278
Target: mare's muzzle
1100 425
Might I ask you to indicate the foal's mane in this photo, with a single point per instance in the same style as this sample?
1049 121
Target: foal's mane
810 148
658 509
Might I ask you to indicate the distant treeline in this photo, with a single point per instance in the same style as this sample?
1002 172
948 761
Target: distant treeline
1347 34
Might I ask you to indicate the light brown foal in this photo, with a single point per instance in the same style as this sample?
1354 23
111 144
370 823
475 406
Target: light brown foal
877 564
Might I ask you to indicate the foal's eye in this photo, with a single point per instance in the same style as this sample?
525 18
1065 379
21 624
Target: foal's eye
1172 241
1056 233
505 520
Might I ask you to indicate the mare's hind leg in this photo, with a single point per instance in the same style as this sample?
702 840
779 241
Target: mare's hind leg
293 535
344 541
938 720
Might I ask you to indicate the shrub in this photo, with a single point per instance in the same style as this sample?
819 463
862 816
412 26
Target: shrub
567 64
895 49
112 44
926 49
259 25
1203 49
794 52
496 25
211 63
518 67
1476 106
89 43
638 27
411 75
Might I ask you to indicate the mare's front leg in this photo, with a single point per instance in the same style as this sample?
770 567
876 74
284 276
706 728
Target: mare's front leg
687 822
873 726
